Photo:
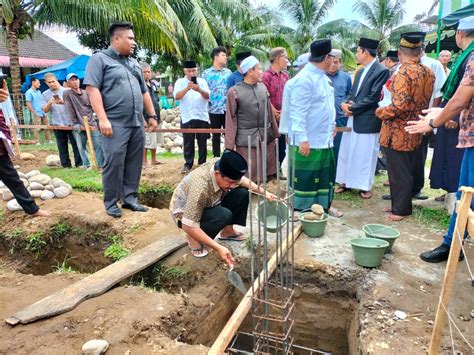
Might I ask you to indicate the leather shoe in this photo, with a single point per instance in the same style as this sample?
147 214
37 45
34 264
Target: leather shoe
135 207
114 212
420 196
438 254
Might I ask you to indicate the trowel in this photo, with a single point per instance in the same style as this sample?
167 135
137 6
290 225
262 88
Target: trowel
235 280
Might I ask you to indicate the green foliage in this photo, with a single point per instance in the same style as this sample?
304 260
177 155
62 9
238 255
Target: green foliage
59 230
35 242
351 196
116 251
15 233
1 214
249 244
63 268
162 189
175 272
437 219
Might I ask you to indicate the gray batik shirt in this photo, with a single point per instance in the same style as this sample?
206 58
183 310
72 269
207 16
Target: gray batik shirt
122 89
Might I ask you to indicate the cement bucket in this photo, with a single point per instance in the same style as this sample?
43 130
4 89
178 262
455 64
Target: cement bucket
368 252
381 231
313 228
273 213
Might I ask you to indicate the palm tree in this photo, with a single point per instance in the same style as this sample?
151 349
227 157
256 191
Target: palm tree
308 15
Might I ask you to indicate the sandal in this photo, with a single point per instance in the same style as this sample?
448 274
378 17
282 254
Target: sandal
334 212
365 194
202 252
340 189
238 237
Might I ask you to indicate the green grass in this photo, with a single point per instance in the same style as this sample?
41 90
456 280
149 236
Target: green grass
79 179
59 230
175 272
434 218
351 196
35 242
116 251
63 268
15 233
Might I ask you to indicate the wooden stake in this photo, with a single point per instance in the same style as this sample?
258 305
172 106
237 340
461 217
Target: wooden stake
15 137
450 273
243 308
90 143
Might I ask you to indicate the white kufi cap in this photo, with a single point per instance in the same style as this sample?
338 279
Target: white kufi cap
248 63
466 23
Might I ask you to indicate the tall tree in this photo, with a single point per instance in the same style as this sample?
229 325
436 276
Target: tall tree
307 16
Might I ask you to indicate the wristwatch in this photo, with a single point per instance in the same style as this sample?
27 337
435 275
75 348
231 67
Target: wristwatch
154 117
430 122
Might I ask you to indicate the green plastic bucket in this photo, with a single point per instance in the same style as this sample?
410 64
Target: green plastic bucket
275 212
383 232
313 228
368 252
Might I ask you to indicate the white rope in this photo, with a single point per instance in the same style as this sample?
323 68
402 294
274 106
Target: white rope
461 241
455 326
452 338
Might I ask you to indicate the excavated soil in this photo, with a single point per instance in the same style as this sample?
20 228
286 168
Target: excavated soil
179 305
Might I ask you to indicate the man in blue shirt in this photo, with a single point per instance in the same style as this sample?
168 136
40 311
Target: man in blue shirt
237 76
342 85
216 77
34 100
311 125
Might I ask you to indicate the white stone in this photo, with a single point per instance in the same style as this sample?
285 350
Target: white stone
49 187
43 179
7 195
27 156
69 187
2 185
449 202
176 150
47 195
400 315
22 175
95 347
161 150
57 182
25 182
33 173
36 193
13 206
169 145
61 192
36 186
178 140
53 160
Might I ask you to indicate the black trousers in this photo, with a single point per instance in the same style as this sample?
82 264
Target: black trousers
281 148
232 210
401 169
420 160
62 138
11 179
217 121
188 143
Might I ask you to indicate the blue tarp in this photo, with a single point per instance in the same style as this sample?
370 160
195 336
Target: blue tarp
76 65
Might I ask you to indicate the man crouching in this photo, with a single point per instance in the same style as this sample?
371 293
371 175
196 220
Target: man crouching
211 199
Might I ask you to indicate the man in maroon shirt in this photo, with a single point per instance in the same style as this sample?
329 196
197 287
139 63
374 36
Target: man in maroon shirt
8 173
274 79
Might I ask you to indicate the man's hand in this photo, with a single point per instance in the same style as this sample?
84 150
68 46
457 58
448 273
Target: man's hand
451 124
4 92
225 255
152 124
196 87
304 148
346 107
423 126
270 197
105 128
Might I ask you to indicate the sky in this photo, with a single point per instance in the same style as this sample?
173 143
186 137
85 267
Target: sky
342 9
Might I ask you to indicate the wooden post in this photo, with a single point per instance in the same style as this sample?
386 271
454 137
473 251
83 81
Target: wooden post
90 143
15 137
450 273
243 308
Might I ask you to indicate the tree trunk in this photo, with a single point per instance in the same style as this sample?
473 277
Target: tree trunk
13 52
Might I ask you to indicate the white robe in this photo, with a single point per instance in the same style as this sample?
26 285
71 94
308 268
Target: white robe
357 159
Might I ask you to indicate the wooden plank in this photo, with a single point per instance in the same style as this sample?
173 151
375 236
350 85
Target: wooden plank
243 308
450 273
15 137
90 143
97 283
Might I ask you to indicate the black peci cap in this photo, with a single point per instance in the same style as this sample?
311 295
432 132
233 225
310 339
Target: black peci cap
392 54
369 43
189 64
320 48
242 55
412 39
232 165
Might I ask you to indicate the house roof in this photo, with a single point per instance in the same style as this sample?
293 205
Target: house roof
39 52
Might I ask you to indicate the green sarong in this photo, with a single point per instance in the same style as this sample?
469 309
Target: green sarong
314 177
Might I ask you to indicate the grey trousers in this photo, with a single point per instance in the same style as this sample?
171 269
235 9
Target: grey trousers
123 153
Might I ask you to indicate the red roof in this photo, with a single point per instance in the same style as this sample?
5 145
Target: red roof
27 62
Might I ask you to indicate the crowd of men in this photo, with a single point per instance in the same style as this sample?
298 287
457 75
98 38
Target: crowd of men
268 116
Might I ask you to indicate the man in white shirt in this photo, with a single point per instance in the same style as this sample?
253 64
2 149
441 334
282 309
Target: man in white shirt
193 95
